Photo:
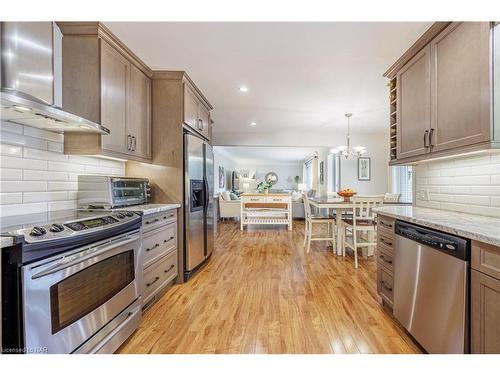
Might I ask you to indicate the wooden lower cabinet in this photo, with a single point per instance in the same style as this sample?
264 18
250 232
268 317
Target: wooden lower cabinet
485 298
385 255
160 255
485 313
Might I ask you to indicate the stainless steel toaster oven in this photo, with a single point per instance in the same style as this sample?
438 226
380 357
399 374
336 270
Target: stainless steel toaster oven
111 192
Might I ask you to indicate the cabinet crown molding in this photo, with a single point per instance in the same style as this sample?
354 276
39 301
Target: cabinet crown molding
99 30
421 42
181 75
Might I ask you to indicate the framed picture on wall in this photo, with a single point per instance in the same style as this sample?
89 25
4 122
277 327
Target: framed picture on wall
321 173
222 177
364 169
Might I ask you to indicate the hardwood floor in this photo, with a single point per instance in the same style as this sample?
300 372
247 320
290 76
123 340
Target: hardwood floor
261 293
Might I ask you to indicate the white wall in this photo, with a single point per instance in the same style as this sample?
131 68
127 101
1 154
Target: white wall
377 150
35 175
469 184
285 172
223 160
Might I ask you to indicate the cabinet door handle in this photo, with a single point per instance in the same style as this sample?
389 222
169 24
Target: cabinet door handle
385 242
431 133
426 138
129 142
170 239
385 225
385 260
134 142
154 281
171 266
153 247
385 286
200 124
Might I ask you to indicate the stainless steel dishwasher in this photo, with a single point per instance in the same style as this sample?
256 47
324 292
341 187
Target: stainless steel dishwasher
431 277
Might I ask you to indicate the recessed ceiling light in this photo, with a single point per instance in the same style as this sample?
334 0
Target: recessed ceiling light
243 89
253 123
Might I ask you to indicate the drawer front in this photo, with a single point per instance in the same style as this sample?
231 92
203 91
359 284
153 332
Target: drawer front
385 284
254 199
386 225
385 240
277 200
159 242
386 257
158 275
153 221
486 259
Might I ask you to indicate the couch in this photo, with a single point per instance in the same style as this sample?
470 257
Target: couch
229 208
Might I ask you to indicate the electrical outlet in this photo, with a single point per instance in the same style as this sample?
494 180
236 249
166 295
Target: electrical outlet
423 195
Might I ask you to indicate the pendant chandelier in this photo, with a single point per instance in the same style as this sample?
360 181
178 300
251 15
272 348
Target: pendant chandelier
345 150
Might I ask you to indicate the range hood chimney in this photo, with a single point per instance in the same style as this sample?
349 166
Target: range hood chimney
30 79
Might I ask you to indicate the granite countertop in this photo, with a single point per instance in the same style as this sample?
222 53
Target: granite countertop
6 242
153 208
476 227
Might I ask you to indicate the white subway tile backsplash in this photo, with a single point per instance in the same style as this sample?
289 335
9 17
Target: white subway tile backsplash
13 162
62 205
62 186
36 176
11 198
11 174
11 127
32 175
23 209
468 184
47 196
55 146
66 167
31 153
17 186
22 140
11 150
43 134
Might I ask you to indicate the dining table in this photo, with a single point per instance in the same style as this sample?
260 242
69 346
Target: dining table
339 206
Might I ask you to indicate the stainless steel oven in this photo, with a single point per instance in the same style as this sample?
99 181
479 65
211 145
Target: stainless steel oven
78 301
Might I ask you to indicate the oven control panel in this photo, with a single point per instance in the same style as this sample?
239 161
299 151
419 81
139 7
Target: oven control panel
71 228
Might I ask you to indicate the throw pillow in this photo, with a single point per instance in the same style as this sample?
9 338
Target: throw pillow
226 196
233 196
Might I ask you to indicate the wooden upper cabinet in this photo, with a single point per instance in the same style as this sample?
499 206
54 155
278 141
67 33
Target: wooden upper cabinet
104 82
190 107
115 71
460 86
204 120
414 105
139 114
196 113
444 95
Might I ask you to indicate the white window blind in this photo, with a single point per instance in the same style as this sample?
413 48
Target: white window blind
402 182
308 174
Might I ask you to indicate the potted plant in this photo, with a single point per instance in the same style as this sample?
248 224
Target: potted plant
264 186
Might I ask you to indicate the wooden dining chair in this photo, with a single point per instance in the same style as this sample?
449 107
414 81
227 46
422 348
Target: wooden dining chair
363 220
312 219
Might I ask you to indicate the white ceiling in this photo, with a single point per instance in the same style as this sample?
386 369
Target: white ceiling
244 155
302 77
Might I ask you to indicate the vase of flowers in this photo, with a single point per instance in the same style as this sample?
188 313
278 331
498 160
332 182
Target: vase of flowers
264 186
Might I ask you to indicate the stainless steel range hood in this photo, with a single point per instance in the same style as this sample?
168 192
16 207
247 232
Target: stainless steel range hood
30 79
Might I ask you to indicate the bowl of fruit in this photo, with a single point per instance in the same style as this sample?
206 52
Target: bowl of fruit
347 194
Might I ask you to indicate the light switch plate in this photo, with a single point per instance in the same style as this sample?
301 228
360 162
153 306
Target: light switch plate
423 194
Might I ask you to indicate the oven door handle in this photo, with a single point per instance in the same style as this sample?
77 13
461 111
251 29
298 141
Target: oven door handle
99 250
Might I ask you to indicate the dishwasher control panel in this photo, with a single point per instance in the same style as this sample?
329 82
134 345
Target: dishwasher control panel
453 245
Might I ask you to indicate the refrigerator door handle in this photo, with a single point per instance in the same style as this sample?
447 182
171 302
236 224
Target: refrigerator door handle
207 194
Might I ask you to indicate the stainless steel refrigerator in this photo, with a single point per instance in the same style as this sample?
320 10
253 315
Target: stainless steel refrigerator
198 202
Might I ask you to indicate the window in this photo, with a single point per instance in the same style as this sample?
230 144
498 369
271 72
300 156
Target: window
308 174
402 182
333 166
